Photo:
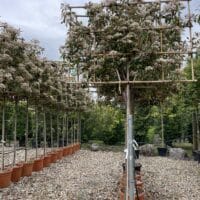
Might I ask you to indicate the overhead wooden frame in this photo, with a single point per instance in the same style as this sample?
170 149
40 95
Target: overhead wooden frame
190 51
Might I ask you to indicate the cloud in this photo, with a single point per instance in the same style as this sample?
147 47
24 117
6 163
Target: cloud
37 19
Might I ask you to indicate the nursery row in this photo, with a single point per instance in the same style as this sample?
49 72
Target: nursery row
21 169
85 175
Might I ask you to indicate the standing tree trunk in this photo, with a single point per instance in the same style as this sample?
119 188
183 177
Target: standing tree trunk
44 131
74 130
3 132
198 131
26 132
67 129
58 131
15 132
162 125
63 130
71 130
79 128
194 131
36 131
51 131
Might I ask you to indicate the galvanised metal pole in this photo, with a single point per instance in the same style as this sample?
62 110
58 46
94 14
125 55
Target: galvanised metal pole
130 160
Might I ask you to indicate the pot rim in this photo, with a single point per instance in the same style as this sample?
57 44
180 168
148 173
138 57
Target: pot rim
6 171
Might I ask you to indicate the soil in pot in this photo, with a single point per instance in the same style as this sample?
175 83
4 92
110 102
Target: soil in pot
17 172
27 168
47 161
162 151
5 178
38 164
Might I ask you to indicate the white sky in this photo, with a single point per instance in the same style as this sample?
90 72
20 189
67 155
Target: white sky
40 19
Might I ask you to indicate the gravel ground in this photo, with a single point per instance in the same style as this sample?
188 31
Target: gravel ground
86 176
168 179
94 176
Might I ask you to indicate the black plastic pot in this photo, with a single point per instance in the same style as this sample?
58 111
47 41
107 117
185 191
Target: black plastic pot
137 152
162 151
138 167
196 155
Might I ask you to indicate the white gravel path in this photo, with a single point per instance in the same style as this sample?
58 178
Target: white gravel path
91 175
168 179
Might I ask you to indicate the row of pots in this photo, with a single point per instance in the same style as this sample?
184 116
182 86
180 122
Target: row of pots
13 174
139 195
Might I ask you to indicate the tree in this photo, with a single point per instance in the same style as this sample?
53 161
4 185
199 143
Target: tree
103 122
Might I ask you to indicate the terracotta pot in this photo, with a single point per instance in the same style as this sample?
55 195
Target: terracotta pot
65 151
123 181
27 169
47 161
60 154
70 150
121 195
38 164
74 146
73 149
5 178
53 157
16 173
138 177
139 184
140 195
